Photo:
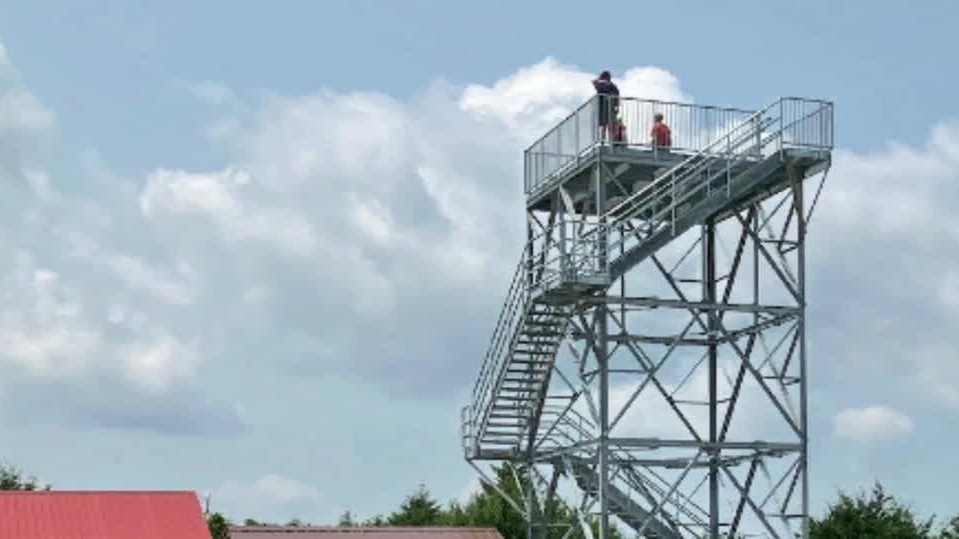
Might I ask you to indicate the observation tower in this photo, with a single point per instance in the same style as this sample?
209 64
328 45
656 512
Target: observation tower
649 365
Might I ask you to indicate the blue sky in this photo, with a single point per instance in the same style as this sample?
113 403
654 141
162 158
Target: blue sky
257 250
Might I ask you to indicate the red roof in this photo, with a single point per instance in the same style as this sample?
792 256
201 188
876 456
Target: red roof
328 532
101 515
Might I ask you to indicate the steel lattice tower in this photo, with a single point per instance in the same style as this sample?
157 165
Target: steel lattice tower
649 364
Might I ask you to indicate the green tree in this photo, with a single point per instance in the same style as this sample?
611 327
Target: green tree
877 516
12 478
952 529
377 522
219 526
487 508
346 520
419 509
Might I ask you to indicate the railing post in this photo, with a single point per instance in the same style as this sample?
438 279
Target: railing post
559 146
759 149
782 125
672 179
526 172
563 262
576 138
729 157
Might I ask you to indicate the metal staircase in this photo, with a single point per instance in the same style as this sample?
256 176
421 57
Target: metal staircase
517 368
621 504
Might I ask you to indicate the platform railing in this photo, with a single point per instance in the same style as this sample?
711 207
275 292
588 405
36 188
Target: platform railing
789 123
806 123
577 136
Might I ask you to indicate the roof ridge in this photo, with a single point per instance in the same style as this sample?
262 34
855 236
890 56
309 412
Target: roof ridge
362 529
91 492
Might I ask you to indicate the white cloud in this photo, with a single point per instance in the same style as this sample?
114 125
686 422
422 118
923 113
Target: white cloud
892 209
872 424
399 211
535 98
157 365
82 314
139 274
42 327
269 498
19 109
219 196
650 415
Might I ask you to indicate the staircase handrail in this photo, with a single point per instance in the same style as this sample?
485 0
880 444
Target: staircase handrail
708 151
504 333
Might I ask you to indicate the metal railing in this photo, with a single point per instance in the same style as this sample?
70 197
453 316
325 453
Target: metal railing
565 254
790 123
806 123
501 343
565 146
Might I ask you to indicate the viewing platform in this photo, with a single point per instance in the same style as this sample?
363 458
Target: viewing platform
599 206
567 154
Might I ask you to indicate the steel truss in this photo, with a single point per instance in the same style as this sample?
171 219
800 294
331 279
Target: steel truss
725 327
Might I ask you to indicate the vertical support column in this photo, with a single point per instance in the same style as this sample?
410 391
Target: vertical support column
536 523
803 388
559 209
709 296
530 253
602 358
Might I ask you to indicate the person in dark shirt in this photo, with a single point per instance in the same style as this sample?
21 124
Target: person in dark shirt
662 137
608 102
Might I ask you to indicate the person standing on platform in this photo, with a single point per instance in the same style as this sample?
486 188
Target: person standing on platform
608 104
662 137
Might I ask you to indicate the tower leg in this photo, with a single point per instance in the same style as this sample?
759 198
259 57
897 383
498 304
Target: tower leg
603 364
709 296
801 328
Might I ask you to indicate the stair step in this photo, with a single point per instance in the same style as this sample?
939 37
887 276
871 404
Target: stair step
524 385
506 425
525 379
533 366
506 416
539 336
501 433
514 399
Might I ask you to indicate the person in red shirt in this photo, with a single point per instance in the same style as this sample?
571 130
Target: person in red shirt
662 138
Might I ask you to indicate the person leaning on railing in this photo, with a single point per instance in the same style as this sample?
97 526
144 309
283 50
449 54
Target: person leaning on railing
608 104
